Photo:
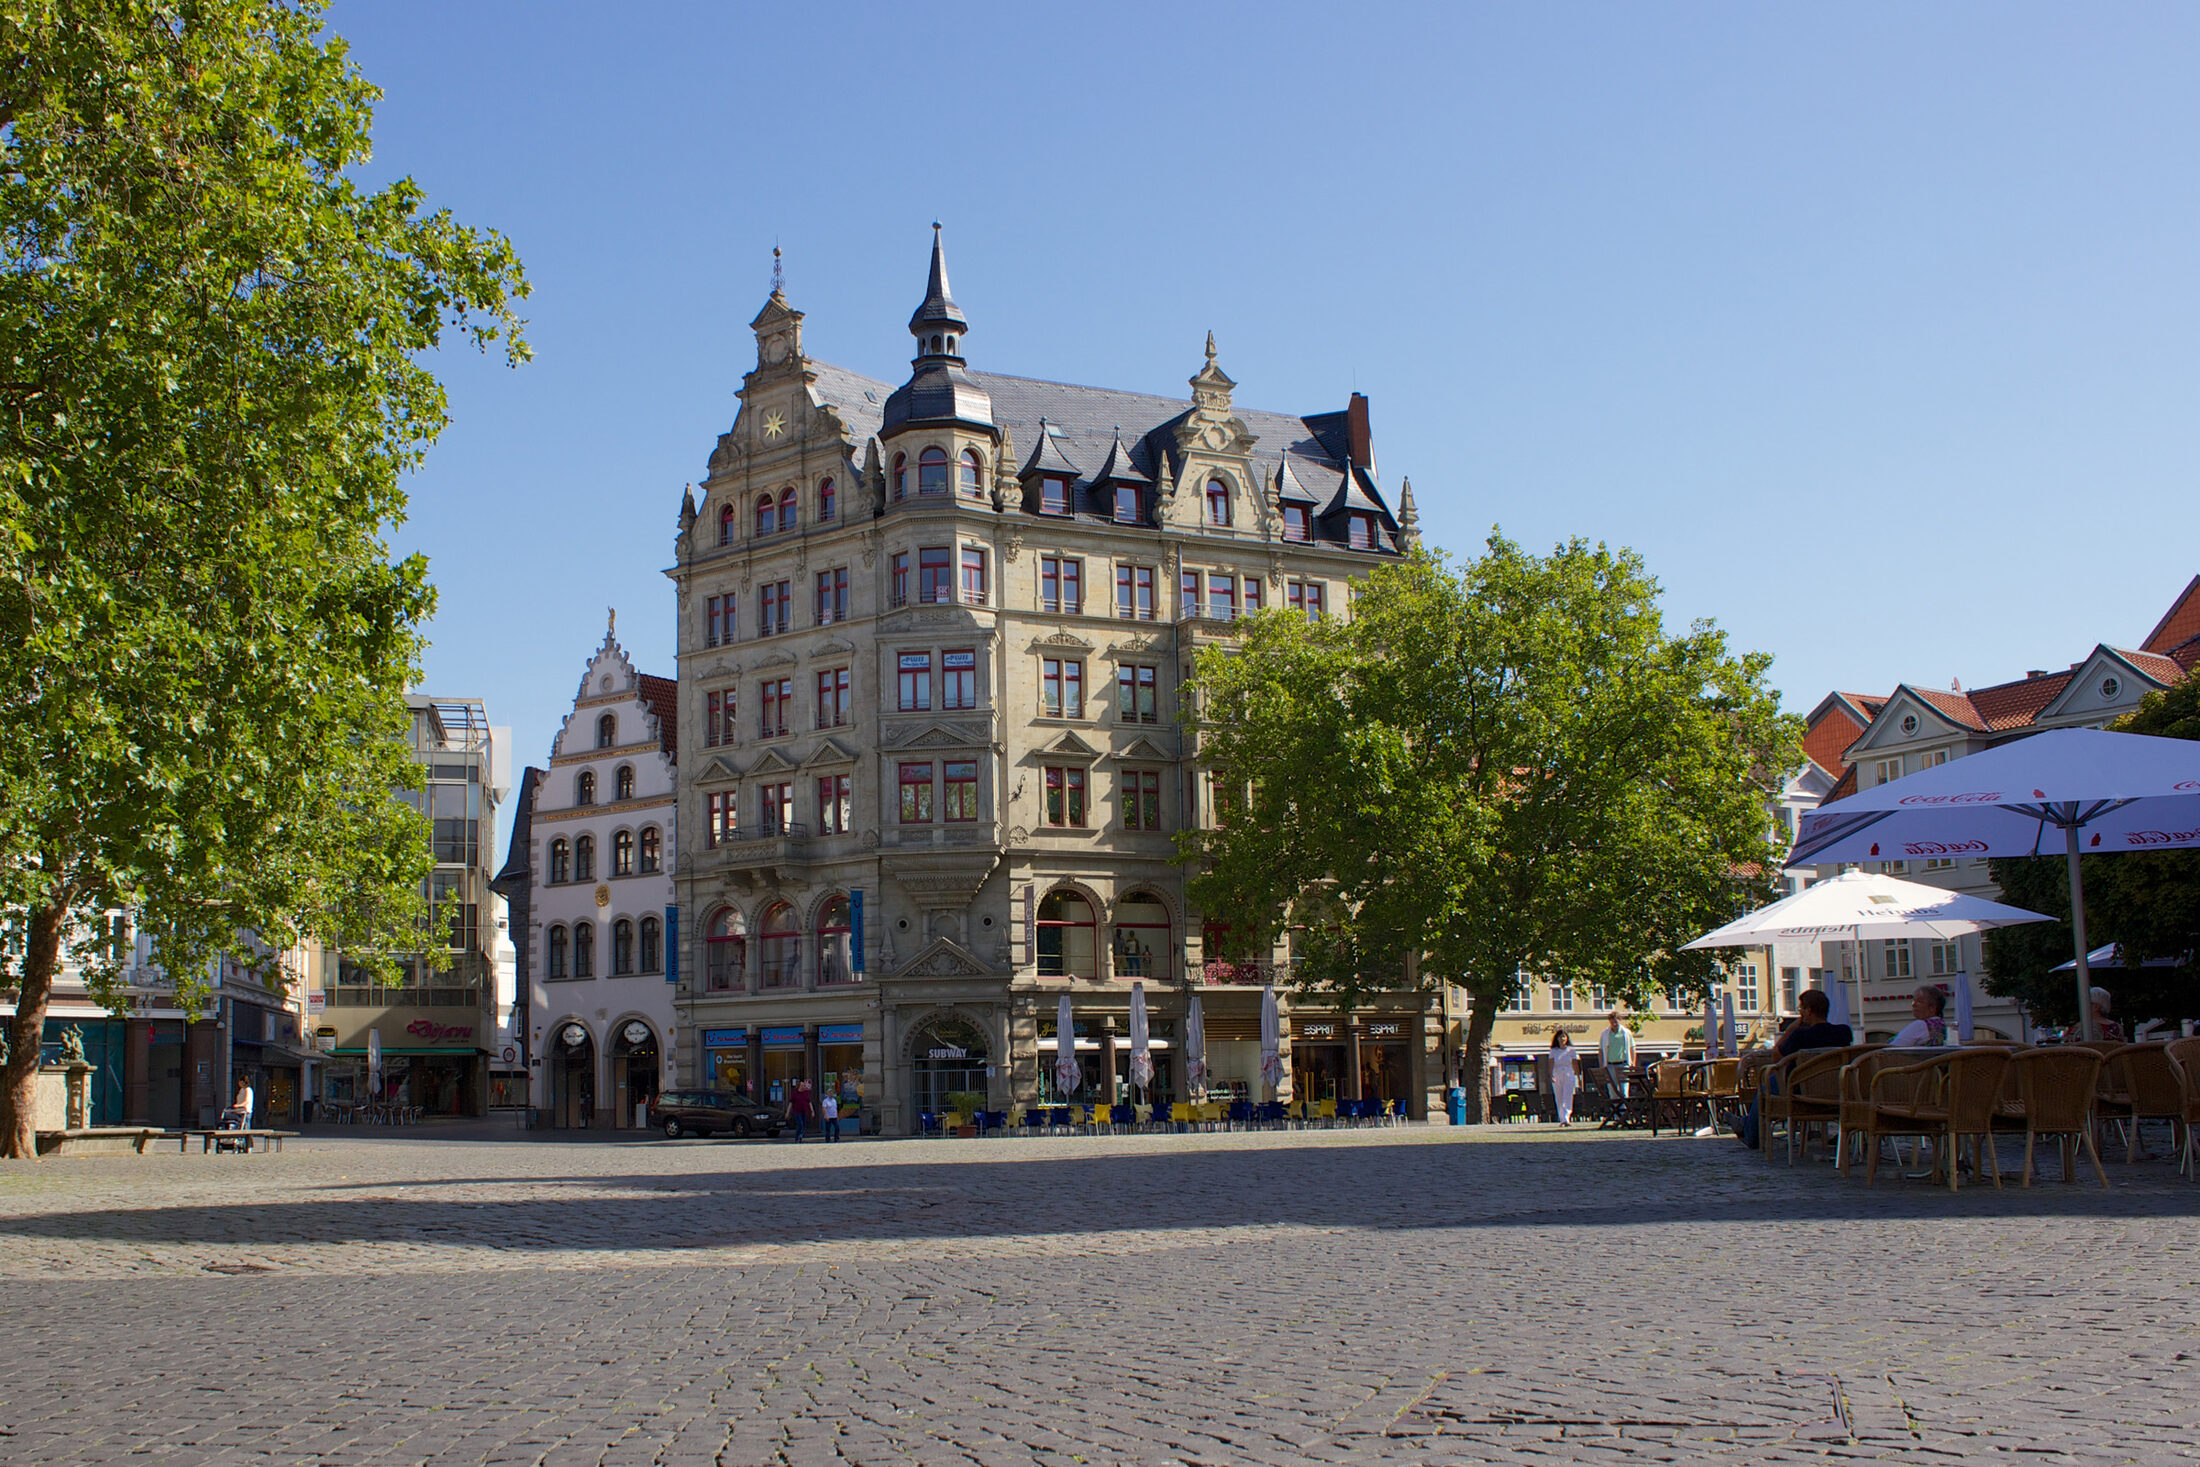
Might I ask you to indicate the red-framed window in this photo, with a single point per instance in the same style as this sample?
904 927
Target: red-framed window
726 518
1134 600
1141 794
898 587
832 596
767 515
1061 687
775 807
973 576
932 471
1140 942
788 516
721 817
1126 504
1298 522
1061 584
1222 598
959 679
833 928
1065 796
777 707
959 790
973 474
1218 502
1187 595
718 629
718 709
916 794
775 608
1363 532
1304 596
901 475
1137 693
913 679
935 574
834 701
833 804
1252 594
1053 495
1066 929
725 951
825 501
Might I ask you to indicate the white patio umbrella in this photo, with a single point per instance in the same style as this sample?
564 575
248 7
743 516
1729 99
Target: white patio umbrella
1141 1055
1271 1039
2102 791
1195 1047
1727 1045
1963 1007
1859 907
1066 1070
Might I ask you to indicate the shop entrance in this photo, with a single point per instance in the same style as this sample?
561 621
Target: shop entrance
572 1066
633 1074
1317 1070
950 1055
1383 1073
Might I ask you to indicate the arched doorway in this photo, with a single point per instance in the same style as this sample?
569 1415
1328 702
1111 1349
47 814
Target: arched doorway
633 1074
950 1054
572 1066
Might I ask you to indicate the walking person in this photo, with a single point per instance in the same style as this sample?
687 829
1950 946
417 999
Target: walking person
1617 1045
1565 1075
828 1106
240 1105
798 1108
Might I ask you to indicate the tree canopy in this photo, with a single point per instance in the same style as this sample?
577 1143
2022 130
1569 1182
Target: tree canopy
1500 767
210 388
2148 903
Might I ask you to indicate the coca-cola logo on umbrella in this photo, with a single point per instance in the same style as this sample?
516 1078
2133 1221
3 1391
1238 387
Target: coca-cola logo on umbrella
1945 848
1974 797
2160 837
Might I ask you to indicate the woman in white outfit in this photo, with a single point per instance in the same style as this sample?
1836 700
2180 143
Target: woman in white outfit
1565 1075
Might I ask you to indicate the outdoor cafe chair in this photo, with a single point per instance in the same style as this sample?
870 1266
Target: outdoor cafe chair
1671 1095
928 1122
1180 1114
2184 1062
2137 1085
1857 1099
1240 1114
1799 1092
1943 1099
1122 1115
2055 1088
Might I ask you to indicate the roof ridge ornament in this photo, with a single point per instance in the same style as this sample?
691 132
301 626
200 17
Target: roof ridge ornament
1409 516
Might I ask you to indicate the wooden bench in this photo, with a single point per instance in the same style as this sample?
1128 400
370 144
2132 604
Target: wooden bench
209 1139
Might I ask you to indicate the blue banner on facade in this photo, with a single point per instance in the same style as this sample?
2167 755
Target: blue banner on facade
672 944
840 1034
855 928
725 1038
783 1038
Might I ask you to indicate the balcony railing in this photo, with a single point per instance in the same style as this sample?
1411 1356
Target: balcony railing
938 596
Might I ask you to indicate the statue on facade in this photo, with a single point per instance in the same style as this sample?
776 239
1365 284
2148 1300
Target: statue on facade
72 1047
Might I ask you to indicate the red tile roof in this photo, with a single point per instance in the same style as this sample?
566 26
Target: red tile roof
1954 705
2179 624
2012 705
2162 669
1842 787
2186 654
662 694
1837 722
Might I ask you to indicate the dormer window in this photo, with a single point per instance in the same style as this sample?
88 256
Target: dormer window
1053 496
901 475
932 471
767 515
1363 532
825 501
1297 522
973 468
725 525
1126 504
786 508
1218 502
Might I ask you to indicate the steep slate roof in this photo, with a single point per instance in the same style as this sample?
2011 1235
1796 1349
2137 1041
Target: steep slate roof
2179 624
860 400
518 855
662 694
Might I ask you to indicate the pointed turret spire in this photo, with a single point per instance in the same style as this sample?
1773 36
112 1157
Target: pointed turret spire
939 321
939 390
687 506
1409 518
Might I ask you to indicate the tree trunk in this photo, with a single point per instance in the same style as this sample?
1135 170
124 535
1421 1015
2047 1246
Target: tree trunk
19 1080
1481 1019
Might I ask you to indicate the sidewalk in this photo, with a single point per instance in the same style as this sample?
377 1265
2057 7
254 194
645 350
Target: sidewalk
512 1126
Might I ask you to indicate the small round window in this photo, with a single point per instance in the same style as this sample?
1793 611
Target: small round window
2109 687
1909 723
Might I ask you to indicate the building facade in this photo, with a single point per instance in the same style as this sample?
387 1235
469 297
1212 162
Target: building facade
598 954
931 640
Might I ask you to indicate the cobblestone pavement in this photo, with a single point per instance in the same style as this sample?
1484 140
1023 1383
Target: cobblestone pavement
1418 1294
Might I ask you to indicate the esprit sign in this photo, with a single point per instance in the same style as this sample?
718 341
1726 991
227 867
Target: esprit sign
431 1030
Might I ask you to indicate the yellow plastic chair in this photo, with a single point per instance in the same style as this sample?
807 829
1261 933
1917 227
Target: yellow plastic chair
1180 1113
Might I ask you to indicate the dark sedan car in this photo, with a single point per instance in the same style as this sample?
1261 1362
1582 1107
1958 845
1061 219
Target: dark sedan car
713 1113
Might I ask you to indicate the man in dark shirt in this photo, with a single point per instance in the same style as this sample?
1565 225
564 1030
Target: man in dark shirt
1811 1031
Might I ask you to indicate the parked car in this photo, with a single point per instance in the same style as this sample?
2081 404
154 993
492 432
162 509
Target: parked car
713 1113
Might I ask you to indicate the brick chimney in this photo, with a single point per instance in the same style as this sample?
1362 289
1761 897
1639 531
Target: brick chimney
1360 442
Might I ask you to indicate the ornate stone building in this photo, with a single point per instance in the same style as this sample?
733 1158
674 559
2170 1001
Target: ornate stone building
931 637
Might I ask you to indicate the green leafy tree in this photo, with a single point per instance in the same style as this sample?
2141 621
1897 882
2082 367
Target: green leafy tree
210 387
2148 903
1501 767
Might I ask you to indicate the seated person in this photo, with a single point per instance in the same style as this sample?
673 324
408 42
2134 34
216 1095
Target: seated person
1811 1031
2103 1025
1926 1029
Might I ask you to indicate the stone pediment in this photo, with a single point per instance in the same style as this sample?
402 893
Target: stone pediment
1144 751
1064 640
944 958
721 668
720 770
1069 746
941 736
1137 647
773 761
833 648
777 659
827 752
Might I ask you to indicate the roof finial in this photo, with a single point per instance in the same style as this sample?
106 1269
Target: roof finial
611 624
1210 348
779 279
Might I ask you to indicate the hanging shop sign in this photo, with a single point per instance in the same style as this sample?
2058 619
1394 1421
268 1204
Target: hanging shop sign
574 1036
855 929
636 1032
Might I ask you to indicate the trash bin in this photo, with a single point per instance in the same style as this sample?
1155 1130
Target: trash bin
1458 1105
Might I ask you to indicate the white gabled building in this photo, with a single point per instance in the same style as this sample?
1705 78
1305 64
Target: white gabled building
600 952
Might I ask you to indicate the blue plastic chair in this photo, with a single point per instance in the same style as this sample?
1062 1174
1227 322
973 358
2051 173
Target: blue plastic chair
1241 1113
928 1122
1123 1115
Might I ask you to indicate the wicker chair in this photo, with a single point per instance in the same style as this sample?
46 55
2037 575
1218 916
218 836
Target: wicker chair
2137 1084
1671 1094
2055 1090
1808 1094
1946 1098
1855 1113
2184 1062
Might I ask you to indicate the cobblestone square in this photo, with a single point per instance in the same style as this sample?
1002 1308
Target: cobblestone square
1416 1294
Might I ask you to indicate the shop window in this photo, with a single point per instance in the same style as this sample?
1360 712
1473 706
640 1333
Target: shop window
834 703
622 853
1140 943
832 943
1137 694
724 952
916 794
1297 522
652 851
1134 598
653 945
1141 791
781 948
1061 688
1065 796
558 948
584 950
973 474
561 862
607 730
1066 943
622 948
584 787
959 790
959 679
825 502
914 680
832 804
1218 502
584 858
622 782
932 471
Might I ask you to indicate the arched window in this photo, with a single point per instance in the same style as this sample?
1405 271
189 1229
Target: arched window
1218 502
607 728
901 475
584 858
1140 945
584 950
584 787
787 516
652 850
973 474
1066 946
781 957
767 514
832 943
622 853
725 525
561 862
825 501
724 951
932 471
653 945
622 782
556 967
622 948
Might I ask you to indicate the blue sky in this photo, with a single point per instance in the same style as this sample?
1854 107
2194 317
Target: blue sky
1873 328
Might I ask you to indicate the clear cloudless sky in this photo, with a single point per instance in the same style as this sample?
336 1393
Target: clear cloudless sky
1873 328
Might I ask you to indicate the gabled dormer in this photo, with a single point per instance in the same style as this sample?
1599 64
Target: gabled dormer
1050 480
1296 505
1121 492
1914 728
2107 684
1356 516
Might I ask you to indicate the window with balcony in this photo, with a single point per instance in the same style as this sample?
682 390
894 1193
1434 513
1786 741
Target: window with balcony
833 932
834 699
973 577
1298 522
584 858
1218 502
1141 794
959 790
653 845
833 804
973 474
1066 932
780 942
1137 694
778 707
1134 598
832 596
932 471
914 679
1222 598
1061 585
725 952
775 807
622 853
935 574
1061 688
718 708
1187 595
916 794
1065 796
775 608
959 679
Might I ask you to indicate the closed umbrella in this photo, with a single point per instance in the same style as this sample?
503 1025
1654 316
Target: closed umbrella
1710 1027
1727 1045
1963 1007
1141 1056
1195 1048
1271 1040
1837 1004
2100 791
1066 1070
